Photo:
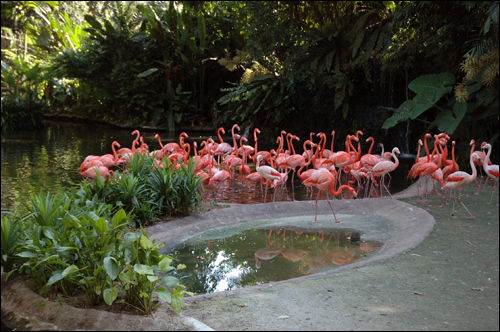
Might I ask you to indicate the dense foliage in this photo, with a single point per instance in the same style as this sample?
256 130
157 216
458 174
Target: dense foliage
276 65
76 240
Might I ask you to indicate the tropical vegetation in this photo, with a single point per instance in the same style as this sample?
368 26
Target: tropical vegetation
348 65
81 240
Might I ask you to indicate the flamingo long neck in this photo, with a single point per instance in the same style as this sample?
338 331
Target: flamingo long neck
323 137
333 139
419 148
371 146
280 149
352 146
426 148
434 151
195 149
487 159
135 141
309 160
234 138
243 155
188 150
287 137
473 142
159 141
115 154
255 139
336 193
291 142
280 146
453 152
474 172
396 160
440 156
218 134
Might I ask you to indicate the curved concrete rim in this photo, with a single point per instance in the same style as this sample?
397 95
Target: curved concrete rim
409 226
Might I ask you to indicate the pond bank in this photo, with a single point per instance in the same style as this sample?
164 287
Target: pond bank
448 282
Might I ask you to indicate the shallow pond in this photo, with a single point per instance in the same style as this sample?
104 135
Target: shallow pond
48 159
262 255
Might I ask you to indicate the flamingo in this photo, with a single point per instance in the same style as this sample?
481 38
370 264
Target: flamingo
294 160
452 166
265 154
490 170
244 168
92 172
384 167
224 148
158 154
267 172
428 168
305 175
458 180
323 179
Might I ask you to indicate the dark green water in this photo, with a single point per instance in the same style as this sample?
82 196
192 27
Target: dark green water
258 256
48 159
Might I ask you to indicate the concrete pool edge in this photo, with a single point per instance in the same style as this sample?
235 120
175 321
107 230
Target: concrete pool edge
409 226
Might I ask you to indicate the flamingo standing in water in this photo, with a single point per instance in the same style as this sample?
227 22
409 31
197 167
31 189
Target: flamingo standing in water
324 179
102 170
490 170
244 168
267 172
458 180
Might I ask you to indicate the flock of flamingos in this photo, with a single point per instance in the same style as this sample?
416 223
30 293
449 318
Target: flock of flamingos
218 162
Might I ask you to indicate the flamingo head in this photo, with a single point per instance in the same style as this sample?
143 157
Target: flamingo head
135 132
395 150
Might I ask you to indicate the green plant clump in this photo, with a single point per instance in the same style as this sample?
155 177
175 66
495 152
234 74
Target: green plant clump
76 249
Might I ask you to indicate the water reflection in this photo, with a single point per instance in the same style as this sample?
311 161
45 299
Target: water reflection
260 256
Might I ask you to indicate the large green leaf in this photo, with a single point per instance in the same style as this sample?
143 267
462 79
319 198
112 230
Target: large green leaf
447 121
147 72
111 266
401 114
177 304
110 295
431 82
427 99
93 22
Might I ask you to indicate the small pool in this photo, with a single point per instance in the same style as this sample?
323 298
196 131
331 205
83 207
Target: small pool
266 254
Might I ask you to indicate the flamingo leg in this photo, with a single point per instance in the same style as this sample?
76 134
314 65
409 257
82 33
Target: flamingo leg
470 214
336 220
494 188
316 215
453 213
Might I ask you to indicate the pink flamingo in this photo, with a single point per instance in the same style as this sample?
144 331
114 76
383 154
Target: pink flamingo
267 172
92 172
323 179
490 170
244 168
452 166
458 180
384 167
158 153
265 154
224 148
